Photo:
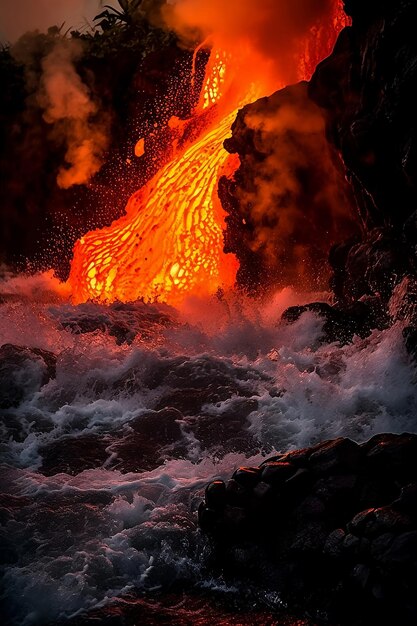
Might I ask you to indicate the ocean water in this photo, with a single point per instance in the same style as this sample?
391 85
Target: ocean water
105 455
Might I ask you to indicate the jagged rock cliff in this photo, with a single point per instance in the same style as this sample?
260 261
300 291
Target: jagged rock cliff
288 202
334 526
365 90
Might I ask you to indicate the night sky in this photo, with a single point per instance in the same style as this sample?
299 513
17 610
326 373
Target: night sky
18 16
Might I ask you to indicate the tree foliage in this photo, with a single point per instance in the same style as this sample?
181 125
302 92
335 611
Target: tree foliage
127 63
128 15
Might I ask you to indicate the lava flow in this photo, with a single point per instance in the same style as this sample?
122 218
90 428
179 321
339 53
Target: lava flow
170 242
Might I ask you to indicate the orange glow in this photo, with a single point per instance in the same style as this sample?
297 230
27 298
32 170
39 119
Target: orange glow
170 242
140 147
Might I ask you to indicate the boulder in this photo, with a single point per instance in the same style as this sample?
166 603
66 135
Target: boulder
325 534
23 371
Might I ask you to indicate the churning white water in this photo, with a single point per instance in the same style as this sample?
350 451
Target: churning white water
99 489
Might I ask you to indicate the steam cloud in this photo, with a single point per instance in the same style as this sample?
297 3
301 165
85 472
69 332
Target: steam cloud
270 28
68 106
297 201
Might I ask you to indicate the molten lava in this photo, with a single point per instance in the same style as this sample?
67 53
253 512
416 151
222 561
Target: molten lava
170 242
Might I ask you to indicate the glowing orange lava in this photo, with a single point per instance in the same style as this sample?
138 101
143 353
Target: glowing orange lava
170 242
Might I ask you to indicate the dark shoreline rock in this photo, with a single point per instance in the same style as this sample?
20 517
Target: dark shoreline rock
365 93
342 324
23 371
366 90
330 526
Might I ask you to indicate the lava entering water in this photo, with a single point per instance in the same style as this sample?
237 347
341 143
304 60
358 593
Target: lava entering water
170 242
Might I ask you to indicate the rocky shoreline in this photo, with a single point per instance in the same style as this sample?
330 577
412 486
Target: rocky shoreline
332 527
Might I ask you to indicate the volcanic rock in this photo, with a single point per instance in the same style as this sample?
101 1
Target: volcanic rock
72 455
366 88
342 323
23 371
287 191
142 444
365 93
361 552
123 321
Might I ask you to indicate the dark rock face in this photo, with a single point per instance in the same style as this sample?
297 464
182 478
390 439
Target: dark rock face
23 371
288 201
333 525
142 444
367 90
148 440
72 455
342 325
123 321
281 231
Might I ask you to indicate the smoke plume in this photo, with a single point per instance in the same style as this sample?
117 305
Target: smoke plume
284 207
290 200
67 105
270 29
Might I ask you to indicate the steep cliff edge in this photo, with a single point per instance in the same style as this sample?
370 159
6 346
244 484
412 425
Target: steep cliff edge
288 201
365 91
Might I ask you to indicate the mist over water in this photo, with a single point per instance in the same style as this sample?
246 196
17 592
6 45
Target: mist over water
101 482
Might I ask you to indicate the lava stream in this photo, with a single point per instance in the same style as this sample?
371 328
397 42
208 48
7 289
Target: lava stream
170 242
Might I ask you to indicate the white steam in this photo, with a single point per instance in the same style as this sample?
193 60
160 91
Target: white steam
55 86
68 105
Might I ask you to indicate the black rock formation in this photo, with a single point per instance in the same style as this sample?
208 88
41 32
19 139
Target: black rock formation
23 371
332 527
367 90
288 202
341 324
288 208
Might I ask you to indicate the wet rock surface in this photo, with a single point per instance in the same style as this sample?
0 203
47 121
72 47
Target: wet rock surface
23 371
330 526
287 192
366 89
151 439
342 324
123 321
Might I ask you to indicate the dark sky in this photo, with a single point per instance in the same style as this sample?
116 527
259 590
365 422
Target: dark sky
18 16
